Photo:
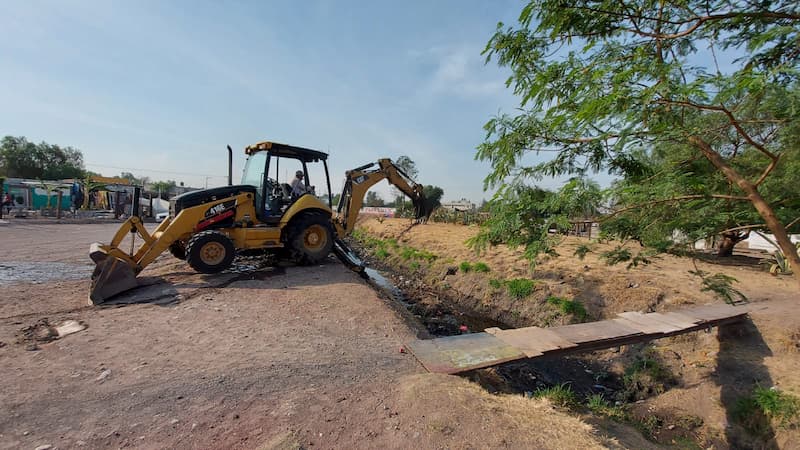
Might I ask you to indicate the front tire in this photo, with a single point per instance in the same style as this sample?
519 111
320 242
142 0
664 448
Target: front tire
311 239
210 252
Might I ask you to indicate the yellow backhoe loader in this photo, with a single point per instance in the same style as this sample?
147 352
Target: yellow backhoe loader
209 227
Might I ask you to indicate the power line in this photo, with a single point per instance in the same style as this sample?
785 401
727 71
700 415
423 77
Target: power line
131 169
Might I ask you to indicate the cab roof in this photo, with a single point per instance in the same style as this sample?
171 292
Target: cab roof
287 151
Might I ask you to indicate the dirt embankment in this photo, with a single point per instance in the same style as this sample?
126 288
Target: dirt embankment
693 389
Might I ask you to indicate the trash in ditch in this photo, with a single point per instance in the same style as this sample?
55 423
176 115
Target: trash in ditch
43 332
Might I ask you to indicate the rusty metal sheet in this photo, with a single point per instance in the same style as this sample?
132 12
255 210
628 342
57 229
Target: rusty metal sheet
534 341
455 354
595 331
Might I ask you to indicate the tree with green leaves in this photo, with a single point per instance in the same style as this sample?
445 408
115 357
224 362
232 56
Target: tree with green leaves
605 85
373 199
433 196
23 159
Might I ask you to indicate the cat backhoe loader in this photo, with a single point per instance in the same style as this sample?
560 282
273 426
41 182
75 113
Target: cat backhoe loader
209 227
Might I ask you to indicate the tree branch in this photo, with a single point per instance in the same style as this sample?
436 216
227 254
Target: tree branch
676 199
759 225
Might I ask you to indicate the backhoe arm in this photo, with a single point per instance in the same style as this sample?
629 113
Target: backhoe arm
359 180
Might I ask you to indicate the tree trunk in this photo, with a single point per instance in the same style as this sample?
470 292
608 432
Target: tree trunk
764 209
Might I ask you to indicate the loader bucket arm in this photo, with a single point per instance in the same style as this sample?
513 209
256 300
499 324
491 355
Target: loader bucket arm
116 268
359 180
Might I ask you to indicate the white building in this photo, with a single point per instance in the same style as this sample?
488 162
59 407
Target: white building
460 205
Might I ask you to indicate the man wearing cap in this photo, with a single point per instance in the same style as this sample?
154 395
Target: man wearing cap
298 187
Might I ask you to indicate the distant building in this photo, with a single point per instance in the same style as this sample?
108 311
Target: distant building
460 205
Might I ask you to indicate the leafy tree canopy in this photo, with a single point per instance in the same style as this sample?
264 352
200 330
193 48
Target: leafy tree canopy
23 159
640 88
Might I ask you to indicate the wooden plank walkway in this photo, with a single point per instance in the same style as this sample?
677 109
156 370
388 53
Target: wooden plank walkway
454 354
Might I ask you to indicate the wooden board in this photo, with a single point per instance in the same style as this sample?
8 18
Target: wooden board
595 331
455 354
646 326
674 320
715 312
533 341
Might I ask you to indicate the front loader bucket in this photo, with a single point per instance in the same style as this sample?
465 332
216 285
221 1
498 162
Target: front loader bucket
111 276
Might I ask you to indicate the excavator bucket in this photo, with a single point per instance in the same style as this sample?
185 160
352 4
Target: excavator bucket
111 275
421 208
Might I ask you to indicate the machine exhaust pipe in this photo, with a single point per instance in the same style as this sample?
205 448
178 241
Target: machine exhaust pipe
230 166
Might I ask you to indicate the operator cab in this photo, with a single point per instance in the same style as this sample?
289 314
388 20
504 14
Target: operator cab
271 168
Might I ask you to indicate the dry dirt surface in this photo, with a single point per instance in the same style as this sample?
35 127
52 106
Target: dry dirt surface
712 372
294 357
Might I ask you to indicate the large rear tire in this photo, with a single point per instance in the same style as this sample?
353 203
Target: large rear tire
210 252
311 239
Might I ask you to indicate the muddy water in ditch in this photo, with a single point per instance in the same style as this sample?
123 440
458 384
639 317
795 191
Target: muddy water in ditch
439 318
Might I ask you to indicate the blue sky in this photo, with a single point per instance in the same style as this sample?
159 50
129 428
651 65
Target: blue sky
165 86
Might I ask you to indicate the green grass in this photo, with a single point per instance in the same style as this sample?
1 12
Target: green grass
647 376
480 267
414 265
381 253
765 403
520 288
560 394
494 283
569 307
465 266
392 242
598 405
409 253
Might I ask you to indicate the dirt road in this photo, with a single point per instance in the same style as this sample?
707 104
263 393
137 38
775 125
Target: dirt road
298 357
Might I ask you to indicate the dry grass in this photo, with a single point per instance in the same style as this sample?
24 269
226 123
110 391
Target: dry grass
456 412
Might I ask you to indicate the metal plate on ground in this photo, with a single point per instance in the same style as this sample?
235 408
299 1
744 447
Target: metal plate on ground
455 354
533 341
595 331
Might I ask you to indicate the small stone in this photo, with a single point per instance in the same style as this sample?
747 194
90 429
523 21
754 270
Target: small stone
25 433
104 375
44 447
174 421
194 425
671 427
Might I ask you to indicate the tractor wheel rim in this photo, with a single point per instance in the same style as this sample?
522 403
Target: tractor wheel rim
315 237
212 253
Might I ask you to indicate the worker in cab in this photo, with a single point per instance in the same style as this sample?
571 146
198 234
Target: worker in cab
298 186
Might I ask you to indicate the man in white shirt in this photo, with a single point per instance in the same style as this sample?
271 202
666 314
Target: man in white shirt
298 186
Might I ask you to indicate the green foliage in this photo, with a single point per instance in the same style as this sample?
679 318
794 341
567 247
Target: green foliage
616 256
520 288
481 267
560 395
465 266
755 411
632 88
411 253
381 253
582 251
373 199
414 265
433 196
569 307
43 161
597 404
721 285
782 264
495 283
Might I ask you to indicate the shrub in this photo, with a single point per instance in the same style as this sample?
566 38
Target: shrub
569 307
560 394
765 403
598 405
520 288
480 267
465 266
